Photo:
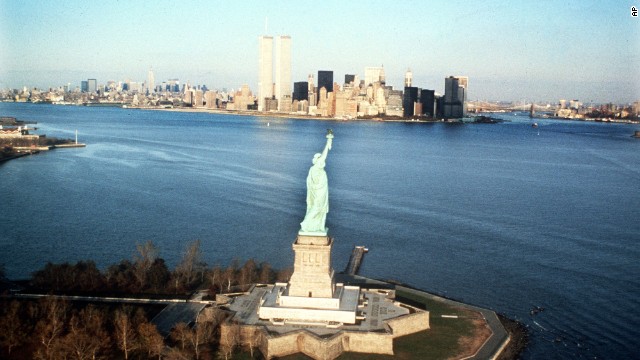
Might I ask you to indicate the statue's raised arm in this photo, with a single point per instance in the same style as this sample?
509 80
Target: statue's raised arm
317 193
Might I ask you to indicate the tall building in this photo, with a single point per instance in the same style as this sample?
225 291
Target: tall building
301 91
283 71
325 80
92 85
210 97
455 96
312 91
348 79
84 86
428 100
408 78
373 75
265 71
151 81
408 100
243 98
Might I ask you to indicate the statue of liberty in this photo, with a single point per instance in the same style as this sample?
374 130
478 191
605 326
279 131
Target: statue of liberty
317 193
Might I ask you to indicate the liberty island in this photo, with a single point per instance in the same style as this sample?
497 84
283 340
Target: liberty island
322 318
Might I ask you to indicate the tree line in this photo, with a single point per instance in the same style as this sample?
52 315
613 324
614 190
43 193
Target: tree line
51 329
55 329
147 273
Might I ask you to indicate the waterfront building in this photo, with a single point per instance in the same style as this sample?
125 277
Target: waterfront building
455 96
92 85
285 104
198 98
151 81
408 100
243 98
394 103
265 71
210 98
575 104
283 72
381 100
188 97
325 80
300 91
312 91
301 106
346 105
427 99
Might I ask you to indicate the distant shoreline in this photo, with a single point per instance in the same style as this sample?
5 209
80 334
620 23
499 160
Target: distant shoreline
280 115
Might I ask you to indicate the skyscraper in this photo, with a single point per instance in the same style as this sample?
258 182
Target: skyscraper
408 100
373 75
455 96
348 79
300 90
325 79
265 71
283 71
151 81
408 78
92 85
427 99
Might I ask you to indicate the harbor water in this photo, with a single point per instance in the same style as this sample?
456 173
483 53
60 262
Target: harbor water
503 216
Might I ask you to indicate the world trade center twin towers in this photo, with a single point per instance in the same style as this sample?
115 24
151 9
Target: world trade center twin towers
281 89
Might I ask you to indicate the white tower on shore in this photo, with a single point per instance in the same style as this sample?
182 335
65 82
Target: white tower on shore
283 70
265 71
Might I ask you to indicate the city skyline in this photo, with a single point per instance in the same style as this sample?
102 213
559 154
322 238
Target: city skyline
536 52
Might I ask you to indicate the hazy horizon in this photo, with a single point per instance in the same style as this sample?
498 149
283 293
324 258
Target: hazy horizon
539 51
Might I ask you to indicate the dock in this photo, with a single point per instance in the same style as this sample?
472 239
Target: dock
353 266
70 145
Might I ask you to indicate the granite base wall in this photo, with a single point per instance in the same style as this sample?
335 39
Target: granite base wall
273 345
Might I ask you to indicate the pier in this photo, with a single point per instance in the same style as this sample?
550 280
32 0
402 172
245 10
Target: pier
353 266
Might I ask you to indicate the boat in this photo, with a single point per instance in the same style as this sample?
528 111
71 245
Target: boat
534 125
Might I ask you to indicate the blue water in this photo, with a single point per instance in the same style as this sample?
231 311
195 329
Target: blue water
503 216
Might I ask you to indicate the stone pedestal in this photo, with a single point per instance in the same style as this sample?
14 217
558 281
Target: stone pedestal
312 273
311 296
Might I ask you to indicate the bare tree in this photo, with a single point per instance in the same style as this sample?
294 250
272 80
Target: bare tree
265 273
214 275
284 275
229 276
248 272
12 331
87 337
124 331
180 333
201 334
190 265
147 254
230 338
251 340
150 339
49 329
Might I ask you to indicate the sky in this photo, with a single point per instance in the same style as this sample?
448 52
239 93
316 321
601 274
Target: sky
510 50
